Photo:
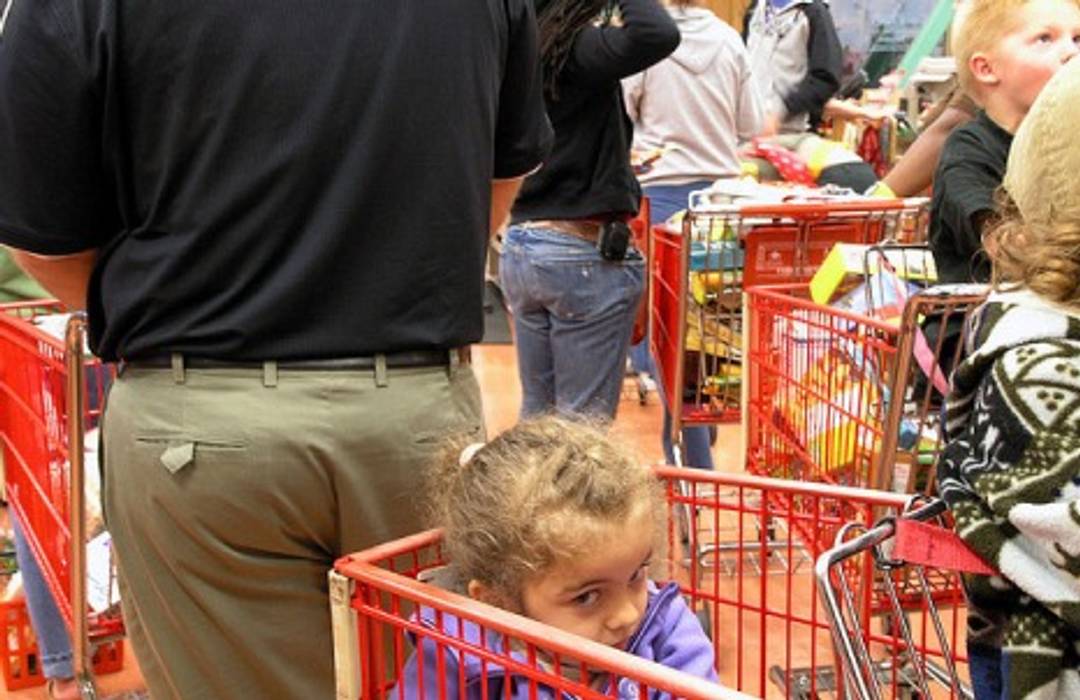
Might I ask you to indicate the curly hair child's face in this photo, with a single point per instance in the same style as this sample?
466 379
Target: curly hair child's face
602 594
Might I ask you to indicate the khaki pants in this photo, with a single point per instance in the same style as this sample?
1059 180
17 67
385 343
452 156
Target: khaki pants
229 494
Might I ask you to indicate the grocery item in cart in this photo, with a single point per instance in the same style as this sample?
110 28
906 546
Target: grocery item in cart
823 406
848 264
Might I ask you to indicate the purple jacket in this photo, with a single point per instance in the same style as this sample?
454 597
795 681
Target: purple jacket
669 634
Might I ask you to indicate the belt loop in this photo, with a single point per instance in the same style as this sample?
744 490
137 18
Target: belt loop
270 374
381 379
178 368
453 360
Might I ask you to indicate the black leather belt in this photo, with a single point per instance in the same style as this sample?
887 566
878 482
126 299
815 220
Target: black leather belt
394 360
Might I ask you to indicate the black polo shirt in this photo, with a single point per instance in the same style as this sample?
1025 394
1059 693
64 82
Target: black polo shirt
277 179
971 168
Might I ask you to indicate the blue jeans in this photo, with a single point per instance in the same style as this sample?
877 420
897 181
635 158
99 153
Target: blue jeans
573 315
989 672
54 645
664 201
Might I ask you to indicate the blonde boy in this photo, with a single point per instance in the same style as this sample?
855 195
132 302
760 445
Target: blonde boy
1006 51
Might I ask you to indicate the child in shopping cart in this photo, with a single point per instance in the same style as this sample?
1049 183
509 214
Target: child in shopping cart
1006 50
1011 469
553 521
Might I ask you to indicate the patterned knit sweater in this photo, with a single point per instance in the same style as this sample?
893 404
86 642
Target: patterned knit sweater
1011 475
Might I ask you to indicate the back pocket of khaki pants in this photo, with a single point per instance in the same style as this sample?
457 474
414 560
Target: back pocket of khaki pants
178 452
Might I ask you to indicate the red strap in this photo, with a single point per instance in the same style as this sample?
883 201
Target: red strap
934 546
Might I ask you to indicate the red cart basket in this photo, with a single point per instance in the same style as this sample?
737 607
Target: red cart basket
697 276
902 637
842 397
49 395
746 564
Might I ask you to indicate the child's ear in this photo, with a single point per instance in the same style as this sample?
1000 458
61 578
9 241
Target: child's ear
982 69
478 590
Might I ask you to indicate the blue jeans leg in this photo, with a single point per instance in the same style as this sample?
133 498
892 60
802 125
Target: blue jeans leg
696 444
573 315
987 672
640 360
665 201
54 644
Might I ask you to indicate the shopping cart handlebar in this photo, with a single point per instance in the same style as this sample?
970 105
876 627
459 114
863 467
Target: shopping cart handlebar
829 207
831 492
879 533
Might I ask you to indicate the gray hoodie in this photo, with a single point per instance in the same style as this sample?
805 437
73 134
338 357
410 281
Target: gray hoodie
698 103
795 57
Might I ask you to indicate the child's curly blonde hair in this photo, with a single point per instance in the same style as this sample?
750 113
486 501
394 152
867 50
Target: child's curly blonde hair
533 496
1041 256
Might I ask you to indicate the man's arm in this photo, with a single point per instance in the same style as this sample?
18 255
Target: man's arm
66 277
503 194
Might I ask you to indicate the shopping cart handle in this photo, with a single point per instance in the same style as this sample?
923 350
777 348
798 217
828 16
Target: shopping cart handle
821 209
932 545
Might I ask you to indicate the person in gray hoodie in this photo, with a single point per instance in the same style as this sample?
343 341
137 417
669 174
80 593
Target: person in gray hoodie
693 107
696 105
796 58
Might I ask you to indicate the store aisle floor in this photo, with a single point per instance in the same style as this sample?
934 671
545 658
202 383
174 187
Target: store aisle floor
496 369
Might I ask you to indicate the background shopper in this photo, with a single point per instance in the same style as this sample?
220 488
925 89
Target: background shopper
694 107
573 305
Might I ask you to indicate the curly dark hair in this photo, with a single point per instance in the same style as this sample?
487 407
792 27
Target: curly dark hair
560 22
534 496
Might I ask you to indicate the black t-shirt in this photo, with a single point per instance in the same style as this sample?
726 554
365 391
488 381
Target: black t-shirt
274 180
589 174
971 168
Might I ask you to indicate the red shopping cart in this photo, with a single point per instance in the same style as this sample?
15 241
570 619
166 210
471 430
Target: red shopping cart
639 228
899 634
848 398
49 395
741 547
697 277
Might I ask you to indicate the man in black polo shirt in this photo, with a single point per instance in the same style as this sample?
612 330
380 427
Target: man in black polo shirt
276 215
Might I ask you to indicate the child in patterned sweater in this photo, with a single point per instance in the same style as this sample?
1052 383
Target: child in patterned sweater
1010 471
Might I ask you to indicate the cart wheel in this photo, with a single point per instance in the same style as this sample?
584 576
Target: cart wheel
87 691
712 435
769 529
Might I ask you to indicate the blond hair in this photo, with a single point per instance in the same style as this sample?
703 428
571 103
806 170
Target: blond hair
980 26
532 497
1041 256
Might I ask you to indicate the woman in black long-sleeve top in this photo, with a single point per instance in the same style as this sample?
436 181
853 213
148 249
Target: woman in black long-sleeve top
573 309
